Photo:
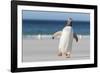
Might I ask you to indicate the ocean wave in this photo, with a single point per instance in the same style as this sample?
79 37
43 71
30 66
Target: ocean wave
49 36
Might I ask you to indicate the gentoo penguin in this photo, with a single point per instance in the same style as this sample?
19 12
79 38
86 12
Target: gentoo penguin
66 39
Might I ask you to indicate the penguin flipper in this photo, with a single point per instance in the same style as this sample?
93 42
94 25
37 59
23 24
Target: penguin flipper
58 33
75 37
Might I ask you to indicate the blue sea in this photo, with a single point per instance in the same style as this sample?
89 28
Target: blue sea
48 27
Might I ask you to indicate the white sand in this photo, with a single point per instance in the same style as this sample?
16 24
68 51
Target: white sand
47 49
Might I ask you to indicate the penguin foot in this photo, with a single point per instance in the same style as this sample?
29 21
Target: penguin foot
67 55
59 54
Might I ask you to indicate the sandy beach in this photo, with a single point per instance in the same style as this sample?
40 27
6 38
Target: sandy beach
47 49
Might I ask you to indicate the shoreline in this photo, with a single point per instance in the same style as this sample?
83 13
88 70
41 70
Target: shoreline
49 36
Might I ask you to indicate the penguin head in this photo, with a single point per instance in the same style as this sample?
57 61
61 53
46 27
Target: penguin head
69 21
